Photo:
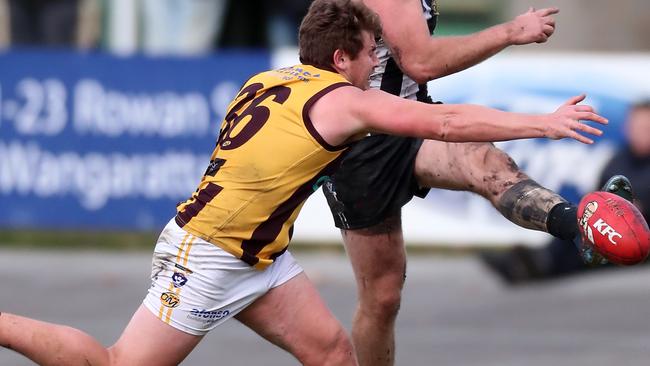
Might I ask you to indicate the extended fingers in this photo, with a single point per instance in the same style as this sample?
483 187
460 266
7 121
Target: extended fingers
590 116
588 129
575 100
576 136
548 11
583 108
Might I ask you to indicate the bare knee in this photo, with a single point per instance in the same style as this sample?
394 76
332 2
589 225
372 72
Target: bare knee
339 351
334 349
493 170
72 347
380 298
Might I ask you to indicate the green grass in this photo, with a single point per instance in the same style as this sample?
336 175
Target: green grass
145 241
50 239
109 240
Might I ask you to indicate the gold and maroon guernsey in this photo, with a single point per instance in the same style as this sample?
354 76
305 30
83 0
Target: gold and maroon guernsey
267 161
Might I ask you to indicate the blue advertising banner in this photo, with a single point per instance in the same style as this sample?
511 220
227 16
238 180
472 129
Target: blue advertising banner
97 141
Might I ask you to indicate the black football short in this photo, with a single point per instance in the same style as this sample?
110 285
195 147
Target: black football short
374 181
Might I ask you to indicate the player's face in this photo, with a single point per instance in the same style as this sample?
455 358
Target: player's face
637 127
362 66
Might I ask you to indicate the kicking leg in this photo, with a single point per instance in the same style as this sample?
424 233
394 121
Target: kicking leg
490 172
294 317
145 341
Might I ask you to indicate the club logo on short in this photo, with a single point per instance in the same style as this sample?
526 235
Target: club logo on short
179 279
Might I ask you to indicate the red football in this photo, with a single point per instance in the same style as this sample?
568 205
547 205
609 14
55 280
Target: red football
615 227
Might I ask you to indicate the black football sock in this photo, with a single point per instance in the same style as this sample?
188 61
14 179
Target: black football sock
562 221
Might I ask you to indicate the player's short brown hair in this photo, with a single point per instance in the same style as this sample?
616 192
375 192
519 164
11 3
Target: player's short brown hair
642 104
334 24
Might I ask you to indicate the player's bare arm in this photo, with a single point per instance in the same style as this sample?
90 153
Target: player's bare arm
425 58
358 112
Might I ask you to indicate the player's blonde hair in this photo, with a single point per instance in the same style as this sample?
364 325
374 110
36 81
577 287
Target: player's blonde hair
334 24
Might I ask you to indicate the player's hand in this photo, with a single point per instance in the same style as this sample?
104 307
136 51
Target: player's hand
532 26
566 121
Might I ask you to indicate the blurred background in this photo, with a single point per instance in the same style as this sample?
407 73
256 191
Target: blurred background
109 110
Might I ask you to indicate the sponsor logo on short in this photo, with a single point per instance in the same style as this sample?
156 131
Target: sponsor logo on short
208 316
604 228
179 279
170 299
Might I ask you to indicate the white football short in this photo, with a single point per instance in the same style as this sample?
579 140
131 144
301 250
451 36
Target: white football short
196 286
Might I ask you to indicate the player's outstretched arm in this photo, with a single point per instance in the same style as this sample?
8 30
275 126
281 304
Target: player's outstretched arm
425 58
348 112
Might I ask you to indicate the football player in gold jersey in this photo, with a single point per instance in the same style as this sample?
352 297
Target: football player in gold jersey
224 254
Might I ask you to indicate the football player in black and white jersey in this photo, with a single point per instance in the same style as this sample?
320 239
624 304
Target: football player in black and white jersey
382 173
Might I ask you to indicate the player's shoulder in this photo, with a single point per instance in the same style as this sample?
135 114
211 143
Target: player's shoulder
339 96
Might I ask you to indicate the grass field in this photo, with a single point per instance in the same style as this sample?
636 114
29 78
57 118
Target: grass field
78 239
145 240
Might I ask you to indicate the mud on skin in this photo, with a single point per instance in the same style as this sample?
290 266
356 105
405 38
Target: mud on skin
527 204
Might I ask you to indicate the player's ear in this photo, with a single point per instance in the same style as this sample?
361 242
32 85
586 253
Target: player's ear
340 60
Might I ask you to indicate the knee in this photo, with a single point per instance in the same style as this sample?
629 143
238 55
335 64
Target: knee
340 350
74 347
498 171
335 349
493 160
382 298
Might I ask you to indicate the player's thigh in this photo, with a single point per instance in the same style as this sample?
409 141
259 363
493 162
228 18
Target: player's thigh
149 341
294 317
471 166
377 256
